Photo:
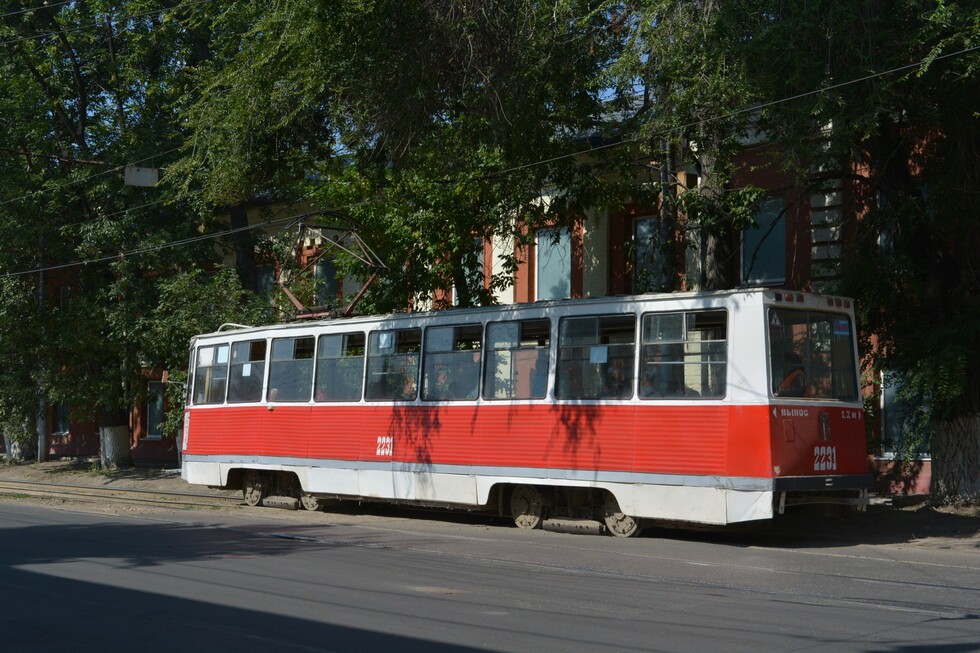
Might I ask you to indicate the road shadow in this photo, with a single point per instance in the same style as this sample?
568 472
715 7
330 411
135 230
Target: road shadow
51 606
816 526
809 526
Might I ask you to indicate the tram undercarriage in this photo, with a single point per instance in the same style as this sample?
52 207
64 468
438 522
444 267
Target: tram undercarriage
565 509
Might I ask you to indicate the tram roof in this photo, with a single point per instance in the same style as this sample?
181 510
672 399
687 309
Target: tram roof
504 309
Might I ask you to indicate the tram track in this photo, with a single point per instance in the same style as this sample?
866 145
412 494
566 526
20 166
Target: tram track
132 496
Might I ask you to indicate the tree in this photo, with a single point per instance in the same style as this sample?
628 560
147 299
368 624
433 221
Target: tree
418 120
87 88
879 94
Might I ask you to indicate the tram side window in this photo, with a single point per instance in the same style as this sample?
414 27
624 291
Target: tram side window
517 359
595 357
291 369
211 375
684 355
340 367
247 371
393 365
812 355
452 362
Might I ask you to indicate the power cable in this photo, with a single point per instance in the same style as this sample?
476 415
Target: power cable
113 169
30 9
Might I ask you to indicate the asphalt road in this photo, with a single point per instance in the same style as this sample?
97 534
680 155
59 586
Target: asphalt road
266 581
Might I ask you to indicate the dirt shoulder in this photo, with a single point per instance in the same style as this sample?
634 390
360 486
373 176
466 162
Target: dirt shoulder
889 521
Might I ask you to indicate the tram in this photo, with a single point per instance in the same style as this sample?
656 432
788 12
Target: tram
708 408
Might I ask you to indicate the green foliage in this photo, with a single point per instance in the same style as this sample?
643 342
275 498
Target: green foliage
415 122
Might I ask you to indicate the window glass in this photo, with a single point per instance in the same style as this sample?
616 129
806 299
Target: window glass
154 410
595 357
291 369
812 355
648 258
764 245
211 374
60 419
340 367
684 355
517 359
247 371
452 362
554 264
265 282
327 288
393 365
188 394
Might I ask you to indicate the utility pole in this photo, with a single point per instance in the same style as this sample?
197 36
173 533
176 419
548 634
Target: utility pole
42 408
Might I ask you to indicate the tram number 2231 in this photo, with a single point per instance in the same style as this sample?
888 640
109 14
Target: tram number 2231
824 459
385 446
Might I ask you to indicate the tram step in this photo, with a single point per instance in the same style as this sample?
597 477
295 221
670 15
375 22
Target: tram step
572 525
287 503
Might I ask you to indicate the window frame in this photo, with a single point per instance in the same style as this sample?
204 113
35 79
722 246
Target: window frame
490 353
404 360
214 364
604 384
778 374
273 385
654 386
262 365
148 433
319 366
453 362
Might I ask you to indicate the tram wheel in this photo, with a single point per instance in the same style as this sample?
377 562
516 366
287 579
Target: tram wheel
526 506
617 523
253 487
310 502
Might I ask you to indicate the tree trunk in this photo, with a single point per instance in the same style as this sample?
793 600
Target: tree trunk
244 248
717 263
114 449
956 458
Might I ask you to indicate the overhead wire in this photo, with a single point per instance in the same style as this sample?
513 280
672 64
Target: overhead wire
30 9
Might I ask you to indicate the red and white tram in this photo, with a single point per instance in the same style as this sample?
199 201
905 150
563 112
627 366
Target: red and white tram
696 407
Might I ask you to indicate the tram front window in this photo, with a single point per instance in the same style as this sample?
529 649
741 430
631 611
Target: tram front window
812 355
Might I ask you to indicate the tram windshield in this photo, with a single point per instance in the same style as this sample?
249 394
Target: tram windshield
811 354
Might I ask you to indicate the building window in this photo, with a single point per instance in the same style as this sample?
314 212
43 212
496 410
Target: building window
327 288
265 283
60 425
154 410
472 268
554 264
904 420
764 246
648 256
